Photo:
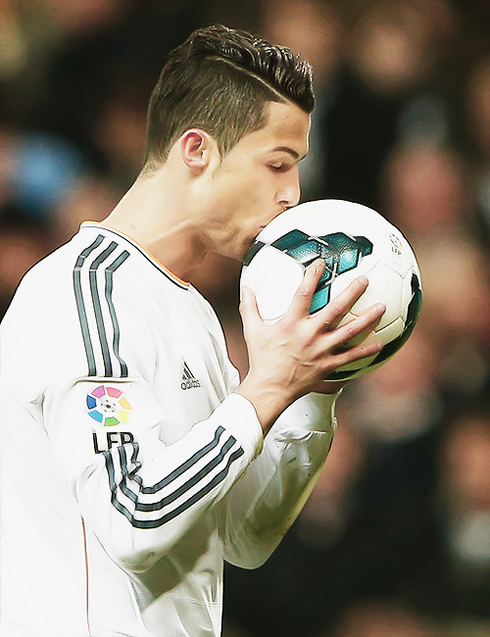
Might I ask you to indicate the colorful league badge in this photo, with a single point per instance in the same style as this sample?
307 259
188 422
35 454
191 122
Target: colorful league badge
108 406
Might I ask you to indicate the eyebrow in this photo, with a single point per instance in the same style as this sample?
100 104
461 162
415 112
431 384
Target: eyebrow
288 150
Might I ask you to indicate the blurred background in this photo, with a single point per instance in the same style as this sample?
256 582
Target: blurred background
395 540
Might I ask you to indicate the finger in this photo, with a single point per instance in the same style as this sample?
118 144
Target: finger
333 313
302 299
249 310
358 328
369 330
352 355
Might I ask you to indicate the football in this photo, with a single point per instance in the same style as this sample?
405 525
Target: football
353 240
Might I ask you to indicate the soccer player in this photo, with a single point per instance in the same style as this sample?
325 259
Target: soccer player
133 460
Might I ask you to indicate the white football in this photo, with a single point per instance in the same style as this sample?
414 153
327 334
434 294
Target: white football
353 240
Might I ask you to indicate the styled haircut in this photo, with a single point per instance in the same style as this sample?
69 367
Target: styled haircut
219 80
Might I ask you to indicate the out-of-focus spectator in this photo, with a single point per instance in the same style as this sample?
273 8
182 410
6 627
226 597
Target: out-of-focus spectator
13 53
457 305
31 34
384 619
478 105
426 191
21 246
478 117
118 132
400 400
391 51
395 45
74 18
26 42
7 164
45 168
312 28
464 513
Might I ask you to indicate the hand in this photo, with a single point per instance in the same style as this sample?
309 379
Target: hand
295 355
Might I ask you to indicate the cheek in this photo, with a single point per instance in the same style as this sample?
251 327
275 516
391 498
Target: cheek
247 195
249 200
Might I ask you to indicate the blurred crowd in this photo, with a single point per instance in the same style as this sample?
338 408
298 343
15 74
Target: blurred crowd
395 539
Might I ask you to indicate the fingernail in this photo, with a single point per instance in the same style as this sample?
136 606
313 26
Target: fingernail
320 266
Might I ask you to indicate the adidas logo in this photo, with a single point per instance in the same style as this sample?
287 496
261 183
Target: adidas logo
188 379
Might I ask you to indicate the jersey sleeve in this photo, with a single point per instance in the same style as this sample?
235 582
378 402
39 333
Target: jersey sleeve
273 490
97 350
138 495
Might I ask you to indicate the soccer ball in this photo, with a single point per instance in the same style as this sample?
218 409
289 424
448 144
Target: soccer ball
353 240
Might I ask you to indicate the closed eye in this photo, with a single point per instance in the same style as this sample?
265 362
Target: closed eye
279 167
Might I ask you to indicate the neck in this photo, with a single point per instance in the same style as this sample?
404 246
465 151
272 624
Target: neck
155 214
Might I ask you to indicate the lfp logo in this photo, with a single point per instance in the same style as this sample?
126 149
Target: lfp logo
108 406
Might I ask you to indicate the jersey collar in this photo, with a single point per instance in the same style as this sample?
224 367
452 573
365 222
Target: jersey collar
160 266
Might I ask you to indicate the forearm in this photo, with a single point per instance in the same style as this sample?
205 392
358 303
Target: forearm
151 504
266 501
140 497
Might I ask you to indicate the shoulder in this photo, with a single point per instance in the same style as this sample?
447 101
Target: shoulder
62 305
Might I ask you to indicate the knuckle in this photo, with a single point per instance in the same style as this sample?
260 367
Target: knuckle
335 308
351 331
303 290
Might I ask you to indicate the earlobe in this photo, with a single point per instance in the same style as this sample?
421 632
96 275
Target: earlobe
194 148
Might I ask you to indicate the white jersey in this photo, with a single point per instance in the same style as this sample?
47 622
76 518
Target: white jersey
129 468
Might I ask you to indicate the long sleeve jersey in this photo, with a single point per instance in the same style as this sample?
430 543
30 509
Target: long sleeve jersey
129 469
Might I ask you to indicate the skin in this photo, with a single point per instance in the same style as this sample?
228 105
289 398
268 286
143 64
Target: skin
199 202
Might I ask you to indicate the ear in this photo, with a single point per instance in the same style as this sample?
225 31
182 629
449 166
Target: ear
196 147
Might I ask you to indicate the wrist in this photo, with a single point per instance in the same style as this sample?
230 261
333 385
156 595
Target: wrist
268 400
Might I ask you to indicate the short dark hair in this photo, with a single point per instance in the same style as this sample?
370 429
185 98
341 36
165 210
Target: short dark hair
219 80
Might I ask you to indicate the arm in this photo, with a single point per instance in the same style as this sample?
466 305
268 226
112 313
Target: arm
265 502
268 498
138 495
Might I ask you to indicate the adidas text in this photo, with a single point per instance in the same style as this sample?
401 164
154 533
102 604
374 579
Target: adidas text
190 383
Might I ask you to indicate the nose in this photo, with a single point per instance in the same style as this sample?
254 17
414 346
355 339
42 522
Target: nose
290 191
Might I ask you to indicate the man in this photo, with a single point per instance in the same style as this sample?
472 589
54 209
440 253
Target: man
133 459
